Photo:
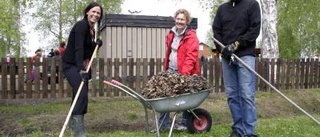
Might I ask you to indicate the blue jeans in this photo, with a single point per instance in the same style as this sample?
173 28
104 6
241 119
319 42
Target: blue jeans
240 89
166 120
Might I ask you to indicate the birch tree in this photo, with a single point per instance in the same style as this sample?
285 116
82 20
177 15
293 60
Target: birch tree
269 42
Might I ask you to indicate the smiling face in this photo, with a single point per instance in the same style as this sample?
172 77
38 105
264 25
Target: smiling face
93 15
181 22
182 18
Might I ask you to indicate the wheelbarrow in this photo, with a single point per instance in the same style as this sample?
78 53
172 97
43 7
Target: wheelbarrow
198 120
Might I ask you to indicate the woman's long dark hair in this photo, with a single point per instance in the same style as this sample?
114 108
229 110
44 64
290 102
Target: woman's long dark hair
90 6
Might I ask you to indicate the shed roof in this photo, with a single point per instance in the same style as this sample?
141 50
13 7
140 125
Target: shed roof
125 20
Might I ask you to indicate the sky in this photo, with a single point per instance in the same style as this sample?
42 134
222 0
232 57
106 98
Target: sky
147 7
168 8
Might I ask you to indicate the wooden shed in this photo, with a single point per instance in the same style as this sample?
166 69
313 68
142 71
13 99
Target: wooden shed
135 36
205 50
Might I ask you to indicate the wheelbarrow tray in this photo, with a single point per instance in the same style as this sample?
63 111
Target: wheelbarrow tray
180 102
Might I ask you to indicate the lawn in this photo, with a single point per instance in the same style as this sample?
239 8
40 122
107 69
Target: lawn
125 117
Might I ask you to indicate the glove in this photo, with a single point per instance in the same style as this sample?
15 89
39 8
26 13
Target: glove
84 75
99 42
228 50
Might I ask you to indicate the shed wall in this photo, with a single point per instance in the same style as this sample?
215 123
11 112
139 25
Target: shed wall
133 42
135 36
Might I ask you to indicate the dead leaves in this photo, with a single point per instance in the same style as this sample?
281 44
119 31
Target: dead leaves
167 84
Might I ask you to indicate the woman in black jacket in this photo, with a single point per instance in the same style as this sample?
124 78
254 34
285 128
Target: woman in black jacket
75 60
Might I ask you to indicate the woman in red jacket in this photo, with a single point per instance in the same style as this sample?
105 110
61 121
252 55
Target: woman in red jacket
182 49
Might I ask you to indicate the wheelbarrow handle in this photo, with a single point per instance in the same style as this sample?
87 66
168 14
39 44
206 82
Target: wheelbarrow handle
116 82
121 88
107 82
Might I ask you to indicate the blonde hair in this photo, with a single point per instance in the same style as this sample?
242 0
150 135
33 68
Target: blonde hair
185 13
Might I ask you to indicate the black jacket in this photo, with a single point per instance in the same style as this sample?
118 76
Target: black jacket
80 45
238 21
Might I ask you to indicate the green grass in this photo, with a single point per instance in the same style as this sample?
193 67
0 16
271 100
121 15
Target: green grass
124 116
299 126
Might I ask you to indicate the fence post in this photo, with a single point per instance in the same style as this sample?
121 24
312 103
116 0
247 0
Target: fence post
144 73
93 82
138 74
21 77
4 82
108 68
60 79
12 72
131 73
124 75
101 76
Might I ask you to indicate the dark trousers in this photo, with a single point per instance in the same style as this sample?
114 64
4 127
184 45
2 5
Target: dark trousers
71 73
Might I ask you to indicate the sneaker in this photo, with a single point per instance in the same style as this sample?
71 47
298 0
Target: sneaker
234 133
161 129
153 131
180 127
251 136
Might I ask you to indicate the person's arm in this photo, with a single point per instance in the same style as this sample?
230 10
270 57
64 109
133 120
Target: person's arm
191 57
80 33
168 42
217 29
255 23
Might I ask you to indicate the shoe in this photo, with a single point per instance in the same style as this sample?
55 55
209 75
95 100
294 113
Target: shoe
153 131
180 127
251 136
77 126
161 129
234 133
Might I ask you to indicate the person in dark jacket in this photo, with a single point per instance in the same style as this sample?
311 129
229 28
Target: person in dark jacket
80 48
181 56
237 26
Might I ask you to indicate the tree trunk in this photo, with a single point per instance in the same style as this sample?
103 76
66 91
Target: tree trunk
270 47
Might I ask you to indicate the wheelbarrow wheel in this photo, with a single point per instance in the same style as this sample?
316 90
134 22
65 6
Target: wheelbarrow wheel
199 126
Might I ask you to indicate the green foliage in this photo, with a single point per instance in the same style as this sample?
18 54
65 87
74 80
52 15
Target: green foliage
214 6
10 35
288 43
298 23
57 17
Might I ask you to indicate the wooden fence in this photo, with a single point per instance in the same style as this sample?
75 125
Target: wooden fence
49 81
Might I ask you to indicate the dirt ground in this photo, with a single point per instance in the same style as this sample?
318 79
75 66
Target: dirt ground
36 118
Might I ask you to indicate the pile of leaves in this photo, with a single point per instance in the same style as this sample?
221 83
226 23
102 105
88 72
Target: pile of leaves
168 84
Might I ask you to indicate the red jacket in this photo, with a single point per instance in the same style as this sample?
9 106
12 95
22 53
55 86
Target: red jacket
187 54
